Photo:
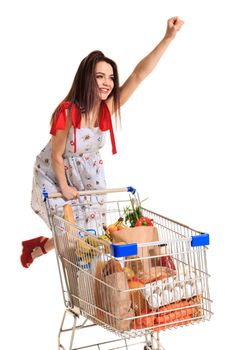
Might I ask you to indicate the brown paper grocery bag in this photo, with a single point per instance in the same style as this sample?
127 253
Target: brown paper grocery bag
118 302
112 298
140 234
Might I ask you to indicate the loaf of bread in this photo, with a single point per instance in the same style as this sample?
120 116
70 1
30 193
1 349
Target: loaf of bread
68 213
112 266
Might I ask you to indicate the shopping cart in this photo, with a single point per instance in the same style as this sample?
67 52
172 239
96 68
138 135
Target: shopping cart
144 280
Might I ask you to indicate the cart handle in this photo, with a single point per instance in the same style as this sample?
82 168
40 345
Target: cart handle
94 192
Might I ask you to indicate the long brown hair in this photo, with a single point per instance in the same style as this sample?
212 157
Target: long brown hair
83 92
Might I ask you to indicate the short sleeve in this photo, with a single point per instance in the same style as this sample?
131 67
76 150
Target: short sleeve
59 121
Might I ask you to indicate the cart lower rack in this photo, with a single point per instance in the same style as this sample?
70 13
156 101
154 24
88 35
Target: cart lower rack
132 281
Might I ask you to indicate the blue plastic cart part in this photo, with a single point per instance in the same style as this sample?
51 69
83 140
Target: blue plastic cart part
45 194
91 230
121 250
200 240
131 189
84 233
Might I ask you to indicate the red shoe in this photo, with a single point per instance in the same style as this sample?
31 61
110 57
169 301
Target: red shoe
29 246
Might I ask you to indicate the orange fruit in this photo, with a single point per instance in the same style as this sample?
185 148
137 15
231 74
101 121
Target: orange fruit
112 228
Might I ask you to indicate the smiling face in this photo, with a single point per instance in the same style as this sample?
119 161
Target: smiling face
104 78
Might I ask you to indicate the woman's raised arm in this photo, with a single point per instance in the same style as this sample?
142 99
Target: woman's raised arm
148 63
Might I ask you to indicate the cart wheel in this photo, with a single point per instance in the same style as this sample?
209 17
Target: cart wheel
147 347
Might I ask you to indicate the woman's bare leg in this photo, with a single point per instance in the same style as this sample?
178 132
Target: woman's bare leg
49 245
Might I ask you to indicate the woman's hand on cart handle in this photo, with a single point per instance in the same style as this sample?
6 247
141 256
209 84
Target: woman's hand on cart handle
69 193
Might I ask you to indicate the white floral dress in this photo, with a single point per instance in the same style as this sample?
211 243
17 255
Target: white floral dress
83 168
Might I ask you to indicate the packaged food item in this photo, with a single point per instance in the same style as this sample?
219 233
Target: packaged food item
157 273
164 259
135 266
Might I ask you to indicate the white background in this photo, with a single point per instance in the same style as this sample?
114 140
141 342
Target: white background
175 145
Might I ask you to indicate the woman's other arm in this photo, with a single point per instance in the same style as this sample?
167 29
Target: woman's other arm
58 144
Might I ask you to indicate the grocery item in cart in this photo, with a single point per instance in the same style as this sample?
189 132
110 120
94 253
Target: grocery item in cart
172 289
138 301
164 259
116 226
68 213
86 246
157 273
134 267
140 234
112 300
175 314
112 266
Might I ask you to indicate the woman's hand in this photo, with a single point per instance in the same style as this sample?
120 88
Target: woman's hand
174 24
69 192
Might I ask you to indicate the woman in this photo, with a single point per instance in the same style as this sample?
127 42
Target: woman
71 161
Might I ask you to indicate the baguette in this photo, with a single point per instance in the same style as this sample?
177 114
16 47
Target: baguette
68 213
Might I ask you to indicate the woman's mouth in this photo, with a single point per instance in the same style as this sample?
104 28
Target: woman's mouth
104 90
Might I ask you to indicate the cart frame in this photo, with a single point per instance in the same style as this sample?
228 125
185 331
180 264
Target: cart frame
187 246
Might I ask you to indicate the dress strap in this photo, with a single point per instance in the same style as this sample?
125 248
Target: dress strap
76 122
105 123
59 122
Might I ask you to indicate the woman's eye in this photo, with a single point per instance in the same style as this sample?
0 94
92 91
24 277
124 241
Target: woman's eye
99 76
